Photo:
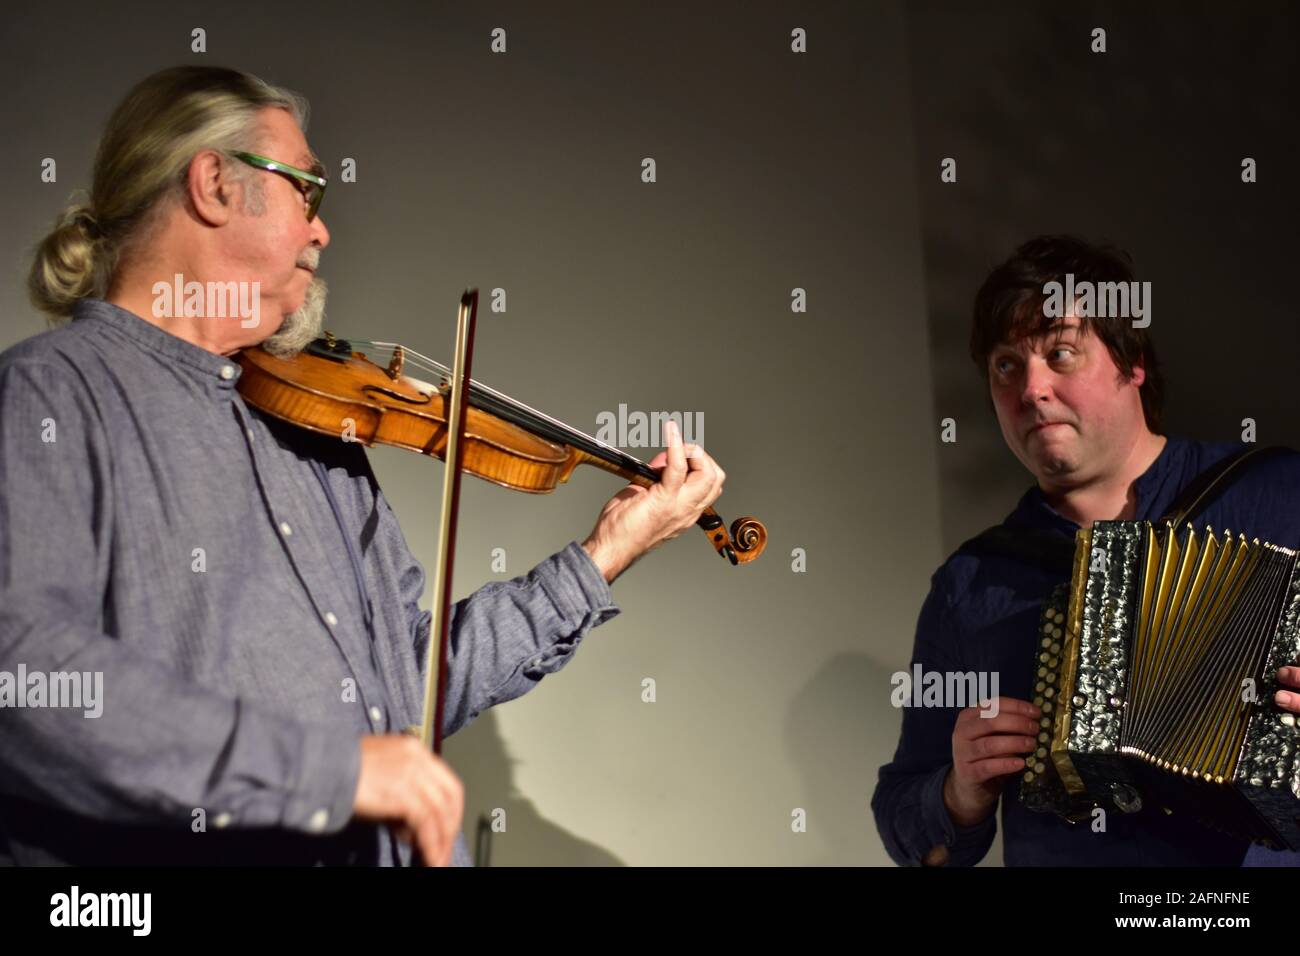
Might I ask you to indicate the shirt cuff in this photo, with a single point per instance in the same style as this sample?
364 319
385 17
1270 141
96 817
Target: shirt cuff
576 587
581 598
324 794
949 844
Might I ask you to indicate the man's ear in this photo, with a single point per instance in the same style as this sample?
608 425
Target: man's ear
211 188
1139 372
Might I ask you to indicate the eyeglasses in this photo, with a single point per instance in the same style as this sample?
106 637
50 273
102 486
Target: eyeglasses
313 190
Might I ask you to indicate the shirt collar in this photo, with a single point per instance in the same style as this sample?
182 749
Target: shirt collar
220 370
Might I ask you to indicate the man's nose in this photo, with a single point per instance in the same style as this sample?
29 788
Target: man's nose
319 234
1038 383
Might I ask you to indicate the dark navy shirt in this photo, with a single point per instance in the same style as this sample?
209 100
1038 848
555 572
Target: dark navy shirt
982 615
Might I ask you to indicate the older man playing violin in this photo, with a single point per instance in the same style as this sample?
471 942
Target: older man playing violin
238 587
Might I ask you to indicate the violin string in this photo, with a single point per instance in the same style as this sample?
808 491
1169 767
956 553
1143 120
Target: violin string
432 365
529 415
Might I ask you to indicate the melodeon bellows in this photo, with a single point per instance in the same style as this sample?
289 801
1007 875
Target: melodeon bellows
1155 669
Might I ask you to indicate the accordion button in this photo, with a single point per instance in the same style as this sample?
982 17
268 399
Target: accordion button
1039 686
1044 722
1042 737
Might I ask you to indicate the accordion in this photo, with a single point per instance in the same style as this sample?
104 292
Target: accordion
1155 668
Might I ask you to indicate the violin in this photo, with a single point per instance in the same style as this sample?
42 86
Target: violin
333 388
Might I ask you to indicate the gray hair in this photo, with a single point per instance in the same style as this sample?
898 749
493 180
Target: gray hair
142 162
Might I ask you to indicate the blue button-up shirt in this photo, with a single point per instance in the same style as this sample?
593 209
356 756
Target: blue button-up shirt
246 594
982 615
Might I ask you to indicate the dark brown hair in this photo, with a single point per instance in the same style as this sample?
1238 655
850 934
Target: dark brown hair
1009 307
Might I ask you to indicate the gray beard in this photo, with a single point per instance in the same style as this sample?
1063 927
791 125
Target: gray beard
302 326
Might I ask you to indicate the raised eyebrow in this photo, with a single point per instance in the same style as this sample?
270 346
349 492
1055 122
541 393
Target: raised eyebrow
312 165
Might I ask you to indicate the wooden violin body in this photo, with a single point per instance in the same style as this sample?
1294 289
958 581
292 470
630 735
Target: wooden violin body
332 389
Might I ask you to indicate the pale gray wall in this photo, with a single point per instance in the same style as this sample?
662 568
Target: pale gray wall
522 171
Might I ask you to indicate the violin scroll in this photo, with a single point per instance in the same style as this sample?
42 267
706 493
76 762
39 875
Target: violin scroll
747 540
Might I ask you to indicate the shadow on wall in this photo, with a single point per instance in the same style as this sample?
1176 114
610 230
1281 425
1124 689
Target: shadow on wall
480 757
840 730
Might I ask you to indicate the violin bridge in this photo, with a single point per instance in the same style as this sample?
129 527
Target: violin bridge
395 365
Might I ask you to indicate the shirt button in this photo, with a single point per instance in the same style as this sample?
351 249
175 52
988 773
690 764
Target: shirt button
330 619
376 714
221 821
285 529
227 372
250 434
318 821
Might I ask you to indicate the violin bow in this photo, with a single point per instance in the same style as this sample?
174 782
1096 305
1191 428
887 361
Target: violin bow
435 680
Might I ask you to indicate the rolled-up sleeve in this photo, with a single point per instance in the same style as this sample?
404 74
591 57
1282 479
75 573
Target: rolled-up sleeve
908 805
162 747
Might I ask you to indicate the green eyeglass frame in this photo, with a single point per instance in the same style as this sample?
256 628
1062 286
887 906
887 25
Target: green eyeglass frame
315 190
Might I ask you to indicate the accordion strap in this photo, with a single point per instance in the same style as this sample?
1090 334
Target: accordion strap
1052 550
1210 483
